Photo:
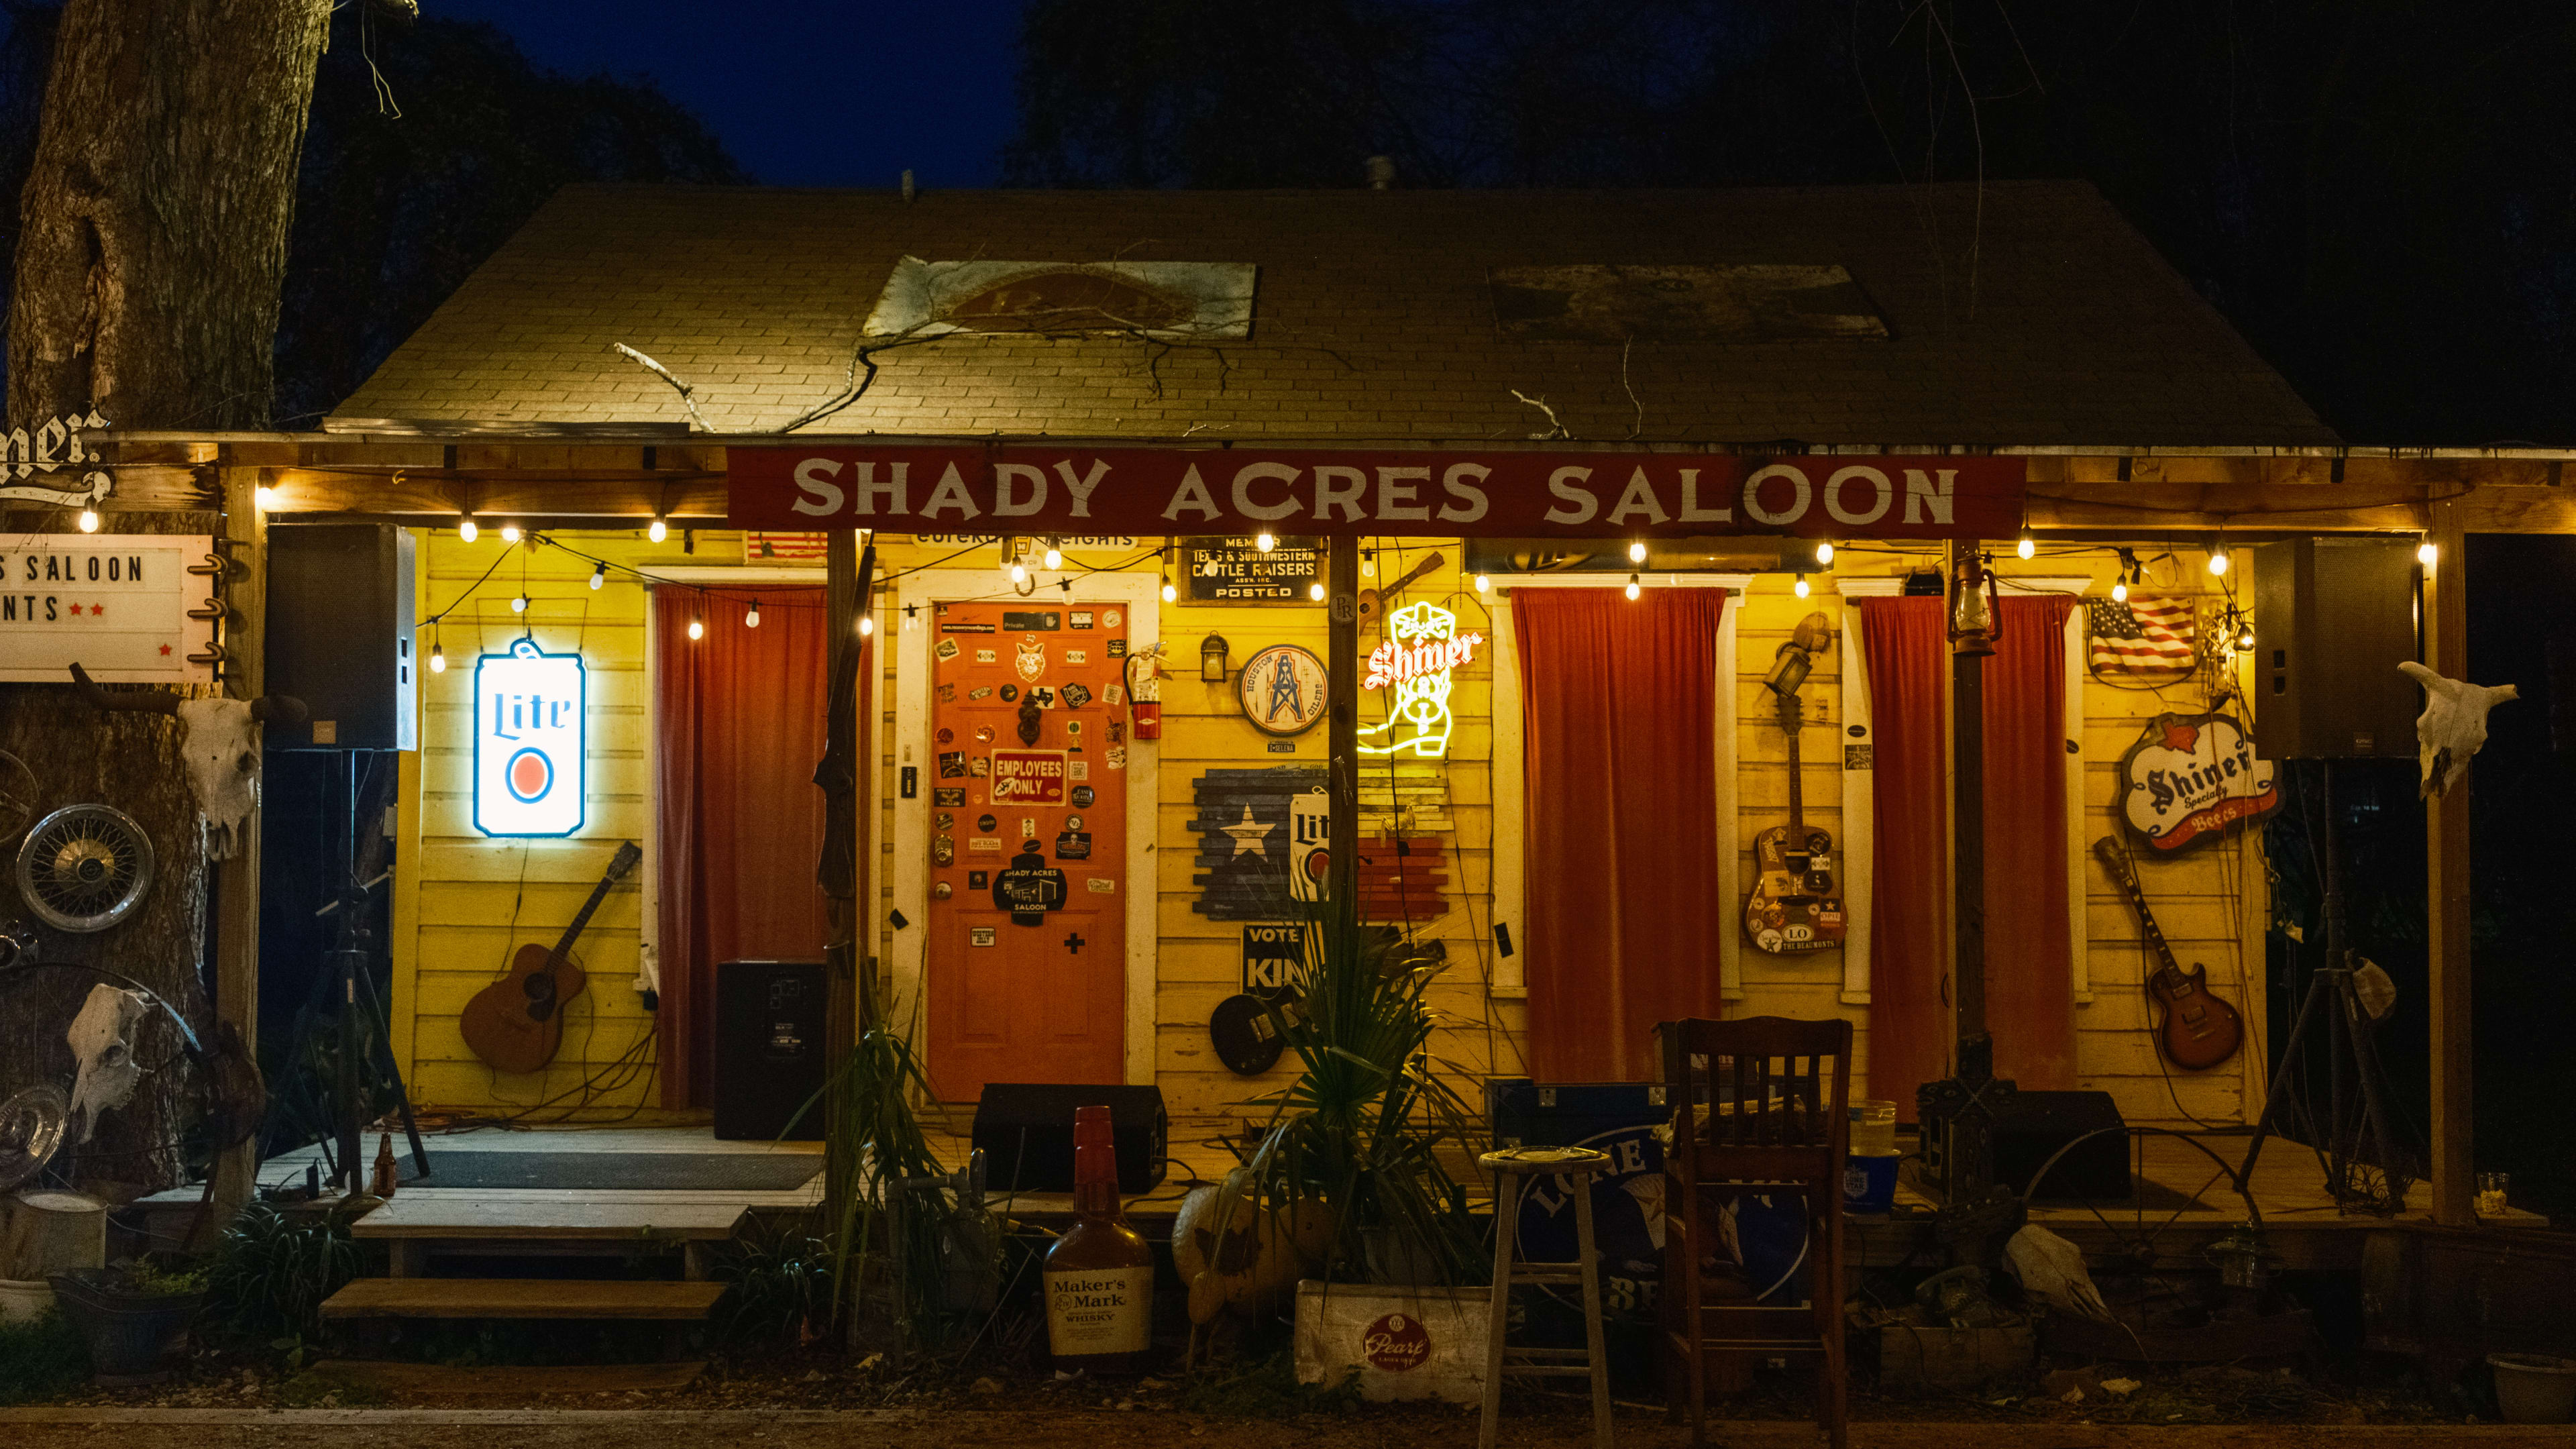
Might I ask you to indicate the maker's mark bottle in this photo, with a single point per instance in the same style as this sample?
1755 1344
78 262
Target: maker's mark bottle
1100 1274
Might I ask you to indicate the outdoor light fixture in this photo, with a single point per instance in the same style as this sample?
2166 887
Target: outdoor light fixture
2028 547
867 625
1637 551
264 498
1265 541
437 658
658 530
751 618
1169 593
89 520
466 529
509 533
697 628
1800 588
2120 591
1055 553
2218 560
2428 553
2245 637
599 576
1825 551
1482 583
1212 659
2128 570
1019 572
1633 589
519 605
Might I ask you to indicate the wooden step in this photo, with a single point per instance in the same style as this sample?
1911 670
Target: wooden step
521 1298
511 1216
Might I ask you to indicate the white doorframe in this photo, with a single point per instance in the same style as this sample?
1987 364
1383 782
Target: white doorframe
1141 596
1511 863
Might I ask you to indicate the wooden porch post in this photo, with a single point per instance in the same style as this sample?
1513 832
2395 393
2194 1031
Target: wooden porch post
1342 683
2446 852
236 1167
846 585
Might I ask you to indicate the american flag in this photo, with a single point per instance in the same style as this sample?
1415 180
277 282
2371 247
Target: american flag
781 548
2147 640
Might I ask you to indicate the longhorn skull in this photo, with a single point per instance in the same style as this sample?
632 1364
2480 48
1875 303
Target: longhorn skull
220 742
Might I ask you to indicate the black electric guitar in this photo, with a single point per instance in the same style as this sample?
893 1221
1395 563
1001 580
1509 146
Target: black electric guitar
1796 905
2199 1030
516 1023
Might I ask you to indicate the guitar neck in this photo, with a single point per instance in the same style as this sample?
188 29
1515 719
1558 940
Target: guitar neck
1797 795
2126 874
580 923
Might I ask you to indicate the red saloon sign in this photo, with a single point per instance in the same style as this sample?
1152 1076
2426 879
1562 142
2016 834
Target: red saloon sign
1035 488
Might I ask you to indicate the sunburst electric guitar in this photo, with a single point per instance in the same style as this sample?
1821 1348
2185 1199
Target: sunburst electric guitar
1797 905
2199 1030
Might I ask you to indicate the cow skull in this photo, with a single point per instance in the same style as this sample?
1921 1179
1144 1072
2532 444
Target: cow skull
219 739
102 1041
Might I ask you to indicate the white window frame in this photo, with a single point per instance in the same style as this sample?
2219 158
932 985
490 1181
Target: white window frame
1511 763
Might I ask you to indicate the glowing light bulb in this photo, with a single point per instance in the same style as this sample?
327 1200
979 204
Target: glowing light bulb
2120 592
1800 588
1483 583
2428 553
1315 592
437 659
751 616
867 625
1019 572
1054 555
1825 552
1633 589
509 533
2218 560
519 605
599 576
1169 593
2245 639
658 530
1265 541
697 629
89 520
2028 547
264 498
466 530
1637 551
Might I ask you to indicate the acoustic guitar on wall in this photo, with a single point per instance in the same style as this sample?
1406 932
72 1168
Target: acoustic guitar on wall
1796 905
2199 1030
1373 601
516 1023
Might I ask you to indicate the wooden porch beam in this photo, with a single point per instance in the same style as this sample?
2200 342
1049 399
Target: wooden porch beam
2446 869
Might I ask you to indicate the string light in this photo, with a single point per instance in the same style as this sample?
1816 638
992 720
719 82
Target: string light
466 529
1825 551
867 625
1265 541
2120 591
599 576
697 629
1637 551
89 520
2245 637
437 655
264 498
519 604
1019 572
1055 553
1800 588
1315 592
1483 583
2128 570
2428 553
657 531
751 618
509 533
1633 588
1169 593
2218 561
2028 547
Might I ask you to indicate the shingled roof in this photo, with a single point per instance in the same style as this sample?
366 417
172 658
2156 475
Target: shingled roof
1373 319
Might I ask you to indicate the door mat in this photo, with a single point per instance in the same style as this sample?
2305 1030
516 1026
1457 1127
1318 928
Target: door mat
711 1171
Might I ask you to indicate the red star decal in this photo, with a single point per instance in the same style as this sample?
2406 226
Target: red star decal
2180 736
97 609
165 651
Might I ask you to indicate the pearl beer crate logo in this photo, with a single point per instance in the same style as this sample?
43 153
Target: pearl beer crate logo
530 746
2191 778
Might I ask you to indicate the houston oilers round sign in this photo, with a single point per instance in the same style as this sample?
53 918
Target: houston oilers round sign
530 751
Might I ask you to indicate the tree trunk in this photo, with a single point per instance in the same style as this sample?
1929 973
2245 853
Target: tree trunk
155 216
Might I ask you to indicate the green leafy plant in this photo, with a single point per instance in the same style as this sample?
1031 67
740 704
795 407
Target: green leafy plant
271 1272
40 1360
782 1284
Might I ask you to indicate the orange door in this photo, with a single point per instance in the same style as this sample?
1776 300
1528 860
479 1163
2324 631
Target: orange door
1028 845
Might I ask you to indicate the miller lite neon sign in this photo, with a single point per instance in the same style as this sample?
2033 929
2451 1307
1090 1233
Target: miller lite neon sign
1422 646
530 748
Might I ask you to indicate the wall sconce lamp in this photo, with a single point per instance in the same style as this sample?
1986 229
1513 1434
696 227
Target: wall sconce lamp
1212 659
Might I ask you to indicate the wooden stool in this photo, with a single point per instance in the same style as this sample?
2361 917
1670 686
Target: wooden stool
1513 1169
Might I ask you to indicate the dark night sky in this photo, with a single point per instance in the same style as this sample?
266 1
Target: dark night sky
804 92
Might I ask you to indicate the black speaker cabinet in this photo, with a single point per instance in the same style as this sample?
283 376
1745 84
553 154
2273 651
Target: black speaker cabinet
770 1023
2036 1124
1025 1131
2332 618
340 635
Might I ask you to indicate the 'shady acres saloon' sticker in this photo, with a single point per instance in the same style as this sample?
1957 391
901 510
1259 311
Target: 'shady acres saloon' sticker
2193 777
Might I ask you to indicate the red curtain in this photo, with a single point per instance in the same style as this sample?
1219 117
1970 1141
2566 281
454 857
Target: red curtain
1619 720
2030 994
738 717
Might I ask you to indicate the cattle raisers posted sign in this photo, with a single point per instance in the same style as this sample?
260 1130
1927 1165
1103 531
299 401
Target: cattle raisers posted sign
530 746
116 604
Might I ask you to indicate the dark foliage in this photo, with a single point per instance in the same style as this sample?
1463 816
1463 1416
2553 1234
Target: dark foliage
2378 194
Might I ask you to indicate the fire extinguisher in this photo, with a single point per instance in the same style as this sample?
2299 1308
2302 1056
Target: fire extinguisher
1145 692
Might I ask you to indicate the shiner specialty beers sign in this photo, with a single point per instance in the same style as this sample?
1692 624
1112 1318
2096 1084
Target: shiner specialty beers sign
1027 488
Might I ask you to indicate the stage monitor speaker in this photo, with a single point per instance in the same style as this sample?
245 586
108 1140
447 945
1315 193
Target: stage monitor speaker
770 1023
2034 1125
1025 1131
2332 618
340 635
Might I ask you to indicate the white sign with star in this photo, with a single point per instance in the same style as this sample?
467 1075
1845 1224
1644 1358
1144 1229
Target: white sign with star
117 604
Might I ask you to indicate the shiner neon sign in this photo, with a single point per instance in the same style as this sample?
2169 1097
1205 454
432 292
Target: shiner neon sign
1421 648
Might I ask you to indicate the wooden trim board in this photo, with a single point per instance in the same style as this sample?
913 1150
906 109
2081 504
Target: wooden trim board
521 1298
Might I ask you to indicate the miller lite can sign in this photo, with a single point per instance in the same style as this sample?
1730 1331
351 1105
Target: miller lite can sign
530 745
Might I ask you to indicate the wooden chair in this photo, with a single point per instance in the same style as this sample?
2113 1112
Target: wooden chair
1760 1107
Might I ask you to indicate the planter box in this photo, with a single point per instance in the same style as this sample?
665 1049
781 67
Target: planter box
1953 1358
128 1333
1403 1343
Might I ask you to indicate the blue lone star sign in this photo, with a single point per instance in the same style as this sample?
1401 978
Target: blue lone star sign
1075 943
